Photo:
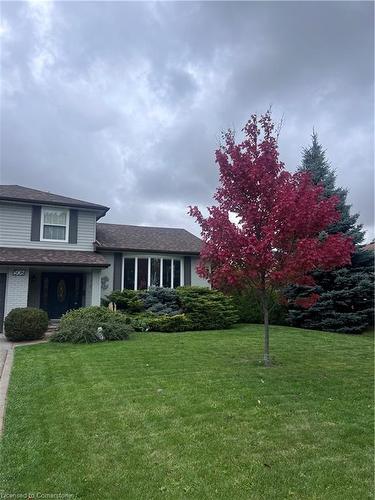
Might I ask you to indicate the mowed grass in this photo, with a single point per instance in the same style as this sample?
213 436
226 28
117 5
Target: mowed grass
194 415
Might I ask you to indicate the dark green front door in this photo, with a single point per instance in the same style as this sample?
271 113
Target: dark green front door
60 292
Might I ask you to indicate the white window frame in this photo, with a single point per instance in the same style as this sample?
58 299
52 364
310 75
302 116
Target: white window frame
42 224
161 257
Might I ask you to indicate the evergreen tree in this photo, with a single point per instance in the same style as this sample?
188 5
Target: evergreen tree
314 161
346 295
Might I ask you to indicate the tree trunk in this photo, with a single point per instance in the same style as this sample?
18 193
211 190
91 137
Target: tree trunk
266 356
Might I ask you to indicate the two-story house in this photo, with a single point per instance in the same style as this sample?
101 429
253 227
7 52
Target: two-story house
56 256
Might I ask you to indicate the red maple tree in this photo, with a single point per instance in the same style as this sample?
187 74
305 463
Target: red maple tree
267 229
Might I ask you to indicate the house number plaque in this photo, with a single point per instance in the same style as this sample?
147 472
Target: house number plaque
19 272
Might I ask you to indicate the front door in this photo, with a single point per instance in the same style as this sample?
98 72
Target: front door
3 280
60 292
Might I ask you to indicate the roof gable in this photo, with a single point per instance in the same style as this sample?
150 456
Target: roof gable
149 239
28 195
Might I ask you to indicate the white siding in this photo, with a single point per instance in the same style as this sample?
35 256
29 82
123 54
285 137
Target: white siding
15 229
16 291
195 279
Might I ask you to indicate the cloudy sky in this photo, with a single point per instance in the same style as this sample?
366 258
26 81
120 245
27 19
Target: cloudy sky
123 103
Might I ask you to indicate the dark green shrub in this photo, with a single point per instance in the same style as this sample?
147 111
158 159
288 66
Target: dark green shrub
80 326
25 323
126 300
207 309
177 323
250 311
161 301
140 322
189 308
117 327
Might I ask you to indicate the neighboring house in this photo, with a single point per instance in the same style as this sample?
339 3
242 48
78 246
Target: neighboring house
370 247
56 256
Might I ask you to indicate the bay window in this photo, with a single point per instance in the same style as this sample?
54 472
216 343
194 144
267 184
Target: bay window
140 273
155 272
129 273
167 273
176 273
54 224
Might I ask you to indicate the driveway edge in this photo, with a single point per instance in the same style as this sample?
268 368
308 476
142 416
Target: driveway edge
4 382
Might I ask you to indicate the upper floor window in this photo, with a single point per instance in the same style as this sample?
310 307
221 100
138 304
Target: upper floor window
55 224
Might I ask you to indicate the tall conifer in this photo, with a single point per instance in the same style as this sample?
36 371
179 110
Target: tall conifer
347 294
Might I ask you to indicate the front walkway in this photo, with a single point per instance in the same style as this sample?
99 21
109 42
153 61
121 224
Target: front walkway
6 361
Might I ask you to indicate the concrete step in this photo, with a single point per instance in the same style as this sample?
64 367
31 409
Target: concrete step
53 325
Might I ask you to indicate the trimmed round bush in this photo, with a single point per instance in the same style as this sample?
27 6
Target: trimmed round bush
25 323
207 309
92 324
126 300
176 323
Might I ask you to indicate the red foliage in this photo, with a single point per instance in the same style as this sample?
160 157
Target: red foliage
278 235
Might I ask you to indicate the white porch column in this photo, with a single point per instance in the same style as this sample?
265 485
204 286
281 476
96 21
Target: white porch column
88 287
96 287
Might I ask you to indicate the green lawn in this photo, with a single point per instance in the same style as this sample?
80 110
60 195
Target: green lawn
193 415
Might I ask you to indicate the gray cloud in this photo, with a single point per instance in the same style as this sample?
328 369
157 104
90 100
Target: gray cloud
123 103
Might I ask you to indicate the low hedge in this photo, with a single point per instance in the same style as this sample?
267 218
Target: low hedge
207 309
176 323
25 323
188 308
92 324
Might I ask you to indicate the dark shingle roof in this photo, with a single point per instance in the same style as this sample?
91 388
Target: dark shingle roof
149 239
24 194
41 257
